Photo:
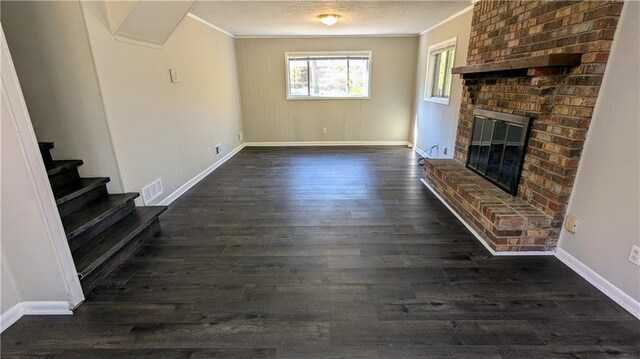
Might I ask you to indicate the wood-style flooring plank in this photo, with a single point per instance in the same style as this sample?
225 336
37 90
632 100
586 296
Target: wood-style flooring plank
331 252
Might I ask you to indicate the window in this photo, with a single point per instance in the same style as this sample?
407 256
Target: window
328 75
439 65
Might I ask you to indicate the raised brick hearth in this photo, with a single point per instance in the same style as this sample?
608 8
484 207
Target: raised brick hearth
559 100
506 223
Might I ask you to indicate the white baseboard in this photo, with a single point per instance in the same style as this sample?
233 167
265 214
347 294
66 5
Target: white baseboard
478 237
192 182
11 316
16 312
420 152
326 143
46 308
614 293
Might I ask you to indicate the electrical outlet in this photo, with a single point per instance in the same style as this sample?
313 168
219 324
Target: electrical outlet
240 136
324 130
634 256
218 149
571 223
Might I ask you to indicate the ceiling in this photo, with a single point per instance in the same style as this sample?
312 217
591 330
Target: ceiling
299 18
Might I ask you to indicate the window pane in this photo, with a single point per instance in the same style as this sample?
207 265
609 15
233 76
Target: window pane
435 90
328 78
440 72
298 78
334 75
447 83
359 77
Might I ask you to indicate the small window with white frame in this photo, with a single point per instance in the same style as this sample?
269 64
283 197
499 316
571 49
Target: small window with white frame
328 75
439 65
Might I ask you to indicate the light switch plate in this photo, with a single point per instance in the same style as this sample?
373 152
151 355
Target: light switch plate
634 256
571 223
175 75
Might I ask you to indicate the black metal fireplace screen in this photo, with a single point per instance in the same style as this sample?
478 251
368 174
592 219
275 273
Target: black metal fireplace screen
497 147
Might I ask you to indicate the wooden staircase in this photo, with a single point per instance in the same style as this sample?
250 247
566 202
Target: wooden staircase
103 229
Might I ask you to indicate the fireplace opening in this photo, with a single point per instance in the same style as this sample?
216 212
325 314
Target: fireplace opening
497 148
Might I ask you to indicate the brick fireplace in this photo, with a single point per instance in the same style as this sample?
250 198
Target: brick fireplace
540 59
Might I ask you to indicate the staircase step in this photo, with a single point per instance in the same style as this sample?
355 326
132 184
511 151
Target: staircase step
83 186
63 165
72 198
45 148
93 254
96 216
63 173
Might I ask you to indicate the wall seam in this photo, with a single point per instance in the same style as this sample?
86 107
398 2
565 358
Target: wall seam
104 107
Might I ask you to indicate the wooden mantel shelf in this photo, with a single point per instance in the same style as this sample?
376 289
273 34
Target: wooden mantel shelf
544 61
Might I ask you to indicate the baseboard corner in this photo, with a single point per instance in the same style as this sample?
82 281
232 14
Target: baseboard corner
11 316
197 178
607 288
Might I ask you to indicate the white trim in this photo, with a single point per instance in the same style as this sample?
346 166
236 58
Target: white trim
11 316
192 182
320 36
46 308
326 143
429 73
128 40
207 23
439 100
288 55
480 239
16 312
39 179
614 293
470 7
421 152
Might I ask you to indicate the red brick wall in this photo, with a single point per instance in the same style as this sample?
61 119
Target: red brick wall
560 103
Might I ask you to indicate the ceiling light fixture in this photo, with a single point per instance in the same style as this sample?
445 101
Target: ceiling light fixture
328 19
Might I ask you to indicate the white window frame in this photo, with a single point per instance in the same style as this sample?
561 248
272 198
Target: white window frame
431 52
288 55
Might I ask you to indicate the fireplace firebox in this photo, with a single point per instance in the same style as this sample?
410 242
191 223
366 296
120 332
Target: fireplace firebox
497 148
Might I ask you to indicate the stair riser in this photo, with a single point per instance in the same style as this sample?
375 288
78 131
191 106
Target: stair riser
46 156
64 179
80 201
90 281
94 230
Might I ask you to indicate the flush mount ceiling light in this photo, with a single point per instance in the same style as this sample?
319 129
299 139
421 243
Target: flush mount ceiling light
328 19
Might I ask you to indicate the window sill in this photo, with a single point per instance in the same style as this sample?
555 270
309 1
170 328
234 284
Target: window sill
296 98
441 101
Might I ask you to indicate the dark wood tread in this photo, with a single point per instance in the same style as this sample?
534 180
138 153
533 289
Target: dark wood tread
62 165
79 188
77 222
45 145
91 255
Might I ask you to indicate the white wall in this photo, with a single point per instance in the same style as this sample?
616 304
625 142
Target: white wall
9 295
32 268
436 123
606 195
269 117
53 59
162 129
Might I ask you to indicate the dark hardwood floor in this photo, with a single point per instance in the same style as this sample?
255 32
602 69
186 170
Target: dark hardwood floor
328 253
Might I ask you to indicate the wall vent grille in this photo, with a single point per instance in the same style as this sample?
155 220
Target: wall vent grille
152 191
